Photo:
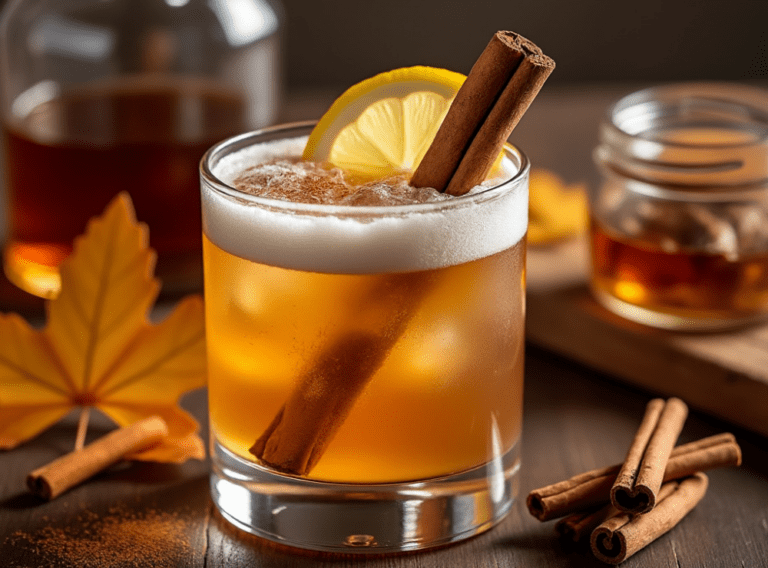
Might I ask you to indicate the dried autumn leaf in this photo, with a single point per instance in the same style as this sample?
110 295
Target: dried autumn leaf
556 211
99 349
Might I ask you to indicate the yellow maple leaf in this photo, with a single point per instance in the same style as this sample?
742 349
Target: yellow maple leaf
555 211
98 348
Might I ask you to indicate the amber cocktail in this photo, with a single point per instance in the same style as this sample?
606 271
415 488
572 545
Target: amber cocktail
365 362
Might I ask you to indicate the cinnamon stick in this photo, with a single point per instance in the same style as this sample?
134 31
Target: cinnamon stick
498 90
576 526
327 389
620 536
641 476
62 474
592 488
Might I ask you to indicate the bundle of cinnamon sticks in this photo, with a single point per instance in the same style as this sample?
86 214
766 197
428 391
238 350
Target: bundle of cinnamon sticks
624 507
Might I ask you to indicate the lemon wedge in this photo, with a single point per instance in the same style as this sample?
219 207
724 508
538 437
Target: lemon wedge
384 125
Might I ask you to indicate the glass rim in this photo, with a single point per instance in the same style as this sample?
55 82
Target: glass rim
681 193
673 100
241 141
634 136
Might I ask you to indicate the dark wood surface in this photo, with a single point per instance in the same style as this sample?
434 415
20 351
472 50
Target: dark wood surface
725 374
575 419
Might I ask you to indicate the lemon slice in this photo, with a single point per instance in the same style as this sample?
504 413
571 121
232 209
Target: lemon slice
384 125
556 211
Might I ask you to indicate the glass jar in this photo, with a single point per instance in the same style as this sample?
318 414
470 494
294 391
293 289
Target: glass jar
679 226
103 96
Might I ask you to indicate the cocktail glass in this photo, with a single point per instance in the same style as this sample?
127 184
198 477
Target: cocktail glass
365 362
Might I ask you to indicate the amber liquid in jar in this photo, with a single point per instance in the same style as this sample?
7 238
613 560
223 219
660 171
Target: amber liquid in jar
686 284
68 156
679 226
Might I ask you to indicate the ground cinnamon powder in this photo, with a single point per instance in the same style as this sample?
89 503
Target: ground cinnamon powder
121 538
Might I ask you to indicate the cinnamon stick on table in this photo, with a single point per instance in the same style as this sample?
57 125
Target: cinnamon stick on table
327 389
620 536
640 477
498 90
67 471
592 488
575 527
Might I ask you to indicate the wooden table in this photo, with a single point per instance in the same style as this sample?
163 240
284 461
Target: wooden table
575 419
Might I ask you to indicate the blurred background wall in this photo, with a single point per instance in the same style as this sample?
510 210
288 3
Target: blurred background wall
331 43
338 42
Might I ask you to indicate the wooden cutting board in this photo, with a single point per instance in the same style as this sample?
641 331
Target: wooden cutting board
725 373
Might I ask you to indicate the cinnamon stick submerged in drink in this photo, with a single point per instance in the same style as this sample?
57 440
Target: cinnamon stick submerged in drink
326 391
498 90
305 425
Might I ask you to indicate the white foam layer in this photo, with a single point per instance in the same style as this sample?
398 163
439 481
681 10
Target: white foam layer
353 240
232 165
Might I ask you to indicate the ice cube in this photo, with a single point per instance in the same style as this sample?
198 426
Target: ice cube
310 182
293 180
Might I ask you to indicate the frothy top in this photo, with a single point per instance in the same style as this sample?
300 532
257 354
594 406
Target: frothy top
360 239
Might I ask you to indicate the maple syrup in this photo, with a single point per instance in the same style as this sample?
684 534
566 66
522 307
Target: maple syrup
685 285
679 226
69 156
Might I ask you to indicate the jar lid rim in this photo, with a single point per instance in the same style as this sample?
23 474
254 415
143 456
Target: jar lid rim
651 112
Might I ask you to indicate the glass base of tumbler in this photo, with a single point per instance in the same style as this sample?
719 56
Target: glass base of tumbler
357 518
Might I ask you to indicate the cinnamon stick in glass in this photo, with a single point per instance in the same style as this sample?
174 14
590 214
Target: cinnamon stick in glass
326 391
62 474
620 536
592 488
642 473
498 90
